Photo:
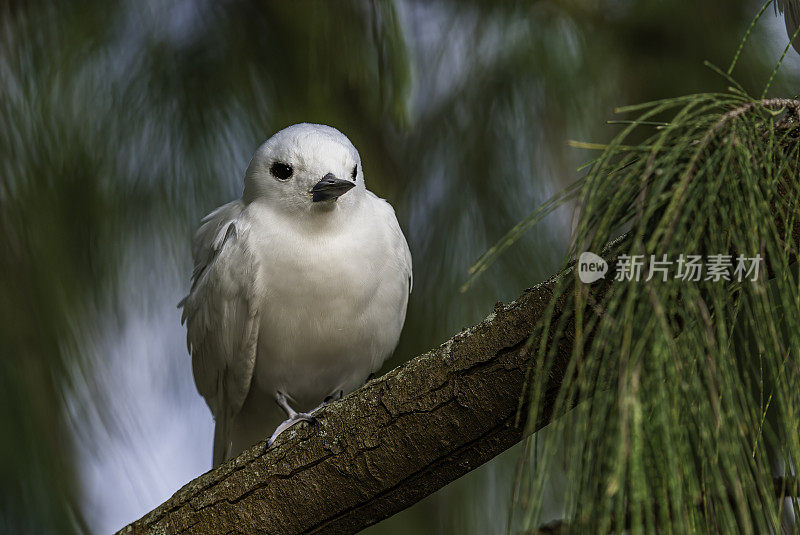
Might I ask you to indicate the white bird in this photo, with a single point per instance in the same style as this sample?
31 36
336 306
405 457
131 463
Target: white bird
299 289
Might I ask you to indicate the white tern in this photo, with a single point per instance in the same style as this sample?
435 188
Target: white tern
299 289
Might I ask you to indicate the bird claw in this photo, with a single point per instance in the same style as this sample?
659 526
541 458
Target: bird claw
295 417
289 422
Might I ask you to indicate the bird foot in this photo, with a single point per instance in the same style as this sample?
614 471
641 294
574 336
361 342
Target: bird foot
295 417
289 422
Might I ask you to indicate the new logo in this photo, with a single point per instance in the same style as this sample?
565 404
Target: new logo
591 267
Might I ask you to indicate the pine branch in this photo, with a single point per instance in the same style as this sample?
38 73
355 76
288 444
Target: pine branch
382 448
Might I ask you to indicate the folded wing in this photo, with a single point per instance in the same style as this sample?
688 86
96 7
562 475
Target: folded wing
222 319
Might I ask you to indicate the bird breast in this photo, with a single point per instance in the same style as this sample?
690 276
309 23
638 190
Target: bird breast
332 307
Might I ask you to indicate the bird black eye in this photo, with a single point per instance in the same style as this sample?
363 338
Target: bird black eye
355 172
281 171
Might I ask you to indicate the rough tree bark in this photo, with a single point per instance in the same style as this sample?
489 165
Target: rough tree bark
382 448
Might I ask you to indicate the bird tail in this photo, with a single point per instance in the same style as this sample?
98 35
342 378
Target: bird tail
222 439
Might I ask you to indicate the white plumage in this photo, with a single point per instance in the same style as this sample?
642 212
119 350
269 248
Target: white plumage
299 288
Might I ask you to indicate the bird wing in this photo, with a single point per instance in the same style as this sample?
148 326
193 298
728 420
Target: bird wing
402 252
406 257
222 318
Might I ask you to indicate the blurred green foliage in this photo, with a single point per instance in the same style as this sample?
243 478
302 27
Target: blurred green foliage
689 389
124 122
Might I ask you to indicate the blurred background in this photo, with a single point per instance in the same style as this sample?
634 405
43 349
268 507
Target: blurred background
123 122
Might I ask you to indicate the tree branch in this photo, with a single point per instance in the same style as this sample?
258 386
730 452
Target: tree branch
383 447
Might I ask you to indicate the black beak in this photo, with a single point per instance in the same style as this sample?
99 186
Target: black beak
330 187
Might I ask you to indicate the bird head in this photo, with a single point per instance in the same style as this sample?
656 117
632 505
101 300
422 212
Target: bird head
305 168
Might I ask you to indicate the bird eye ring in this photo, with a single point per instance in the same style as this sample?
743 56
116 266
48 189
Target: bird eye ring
281 171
